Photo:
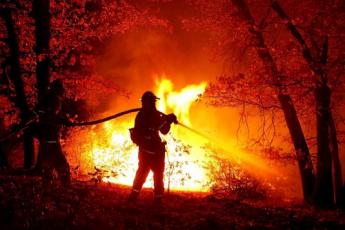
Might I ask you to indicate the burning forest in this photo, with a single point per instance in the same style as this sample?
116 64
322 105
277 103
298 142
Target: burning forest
172 114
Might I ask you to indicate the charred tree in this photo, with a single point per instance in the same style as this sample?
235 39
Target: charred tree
42 31
323 194
15 75
286 103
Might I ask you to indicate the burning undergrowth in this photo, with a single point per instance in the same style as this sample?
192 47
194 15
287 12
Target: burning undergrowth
105 153
115 161
230 180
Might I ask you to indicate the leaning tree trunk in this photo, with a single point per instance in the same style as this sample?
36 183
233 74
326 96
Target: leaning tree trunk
302 151
42 29
286 103
20 98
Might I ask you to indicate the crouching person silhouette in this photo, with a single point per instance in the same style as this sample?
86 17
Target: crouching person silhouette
148 123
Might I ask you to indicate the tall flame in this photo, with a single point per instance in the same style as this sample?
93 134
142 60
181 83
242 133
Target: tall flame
115 155
188 157
178 102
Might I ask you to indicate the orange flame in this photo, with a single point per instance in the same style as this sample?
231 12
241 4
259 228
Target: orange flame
178 102
114 155
113 152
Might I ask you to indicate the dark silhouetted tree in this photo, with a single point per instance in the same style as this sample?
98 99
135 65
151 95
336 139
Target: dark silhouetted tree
326 131
15 76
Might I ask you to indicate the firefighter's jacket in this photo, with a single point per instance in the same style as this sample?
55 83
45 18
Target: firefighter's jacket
148 124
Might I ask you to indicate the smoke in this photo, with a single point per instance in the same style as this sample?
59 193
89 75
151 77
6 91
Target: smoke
134 60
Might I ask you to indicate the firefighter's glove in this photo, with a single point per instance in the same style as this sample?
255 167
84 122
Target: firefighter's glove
172 118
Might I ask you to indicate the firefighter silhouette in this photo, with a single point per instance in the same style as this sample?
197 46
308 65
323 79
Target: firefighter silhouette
51 119
148 123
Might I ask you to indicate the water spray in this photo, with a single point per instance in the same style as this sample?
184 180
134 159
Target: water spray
247 158
194 131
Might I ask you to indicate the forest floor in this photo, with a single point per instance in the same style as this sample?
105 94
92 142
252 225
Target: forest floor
25 204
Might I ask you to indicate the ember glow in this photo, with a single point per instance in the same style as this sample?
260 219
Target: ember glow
115 156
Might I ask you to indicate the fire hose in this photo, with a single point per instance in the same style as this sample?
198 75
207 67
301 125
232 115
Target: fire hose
95 122
132 111
72 124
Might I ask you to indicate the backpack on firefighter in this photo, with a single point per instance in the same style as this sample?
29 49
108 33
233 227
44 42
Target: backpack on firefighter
134 136
145 142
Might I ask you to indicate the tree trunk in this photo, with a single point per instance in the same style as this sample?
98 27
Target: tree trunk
42 30
286 103
20 98
323 193
3 158
302 151
337 172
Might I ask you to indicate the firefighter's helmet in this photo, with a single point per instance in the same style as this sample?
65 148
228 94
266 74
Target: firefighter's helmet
149 96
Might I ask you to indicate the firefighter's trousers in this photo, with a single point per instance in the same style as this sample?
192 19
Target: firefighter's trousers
147 162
